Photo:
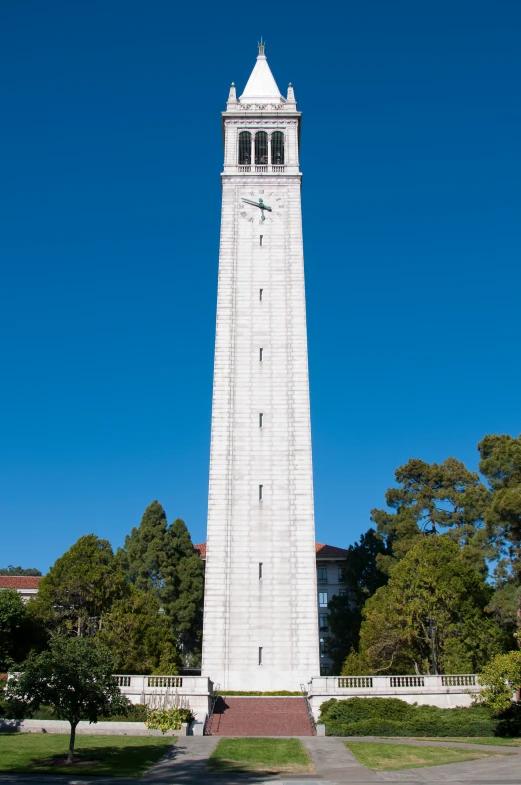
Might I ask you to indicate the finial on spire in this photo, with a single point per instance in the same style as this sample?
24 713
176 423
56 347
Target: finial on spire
262 47
232 97
291 94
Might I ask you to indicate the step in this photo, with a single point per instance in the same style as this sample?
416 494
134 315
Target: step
260 716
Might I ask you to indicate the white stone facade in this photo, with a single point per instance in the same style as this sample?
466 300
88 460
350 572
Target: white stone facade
260 623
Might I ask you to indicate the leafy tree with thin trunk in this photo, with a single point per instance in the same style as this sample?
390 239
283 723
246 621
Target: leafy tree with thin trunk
80 587
74 678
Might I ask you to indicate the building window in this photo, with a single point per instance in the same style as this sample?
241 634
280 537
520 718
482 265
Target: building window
277 148
261 148
325 670
322 574
260 354
260 293
260 570
260 655
261 420
322 621
322 647
244 148
342 593
341 575
261 492
322 599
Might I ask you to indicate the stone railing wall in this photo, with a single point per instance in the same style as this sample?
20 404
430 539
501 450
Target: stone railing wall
447 691
193 692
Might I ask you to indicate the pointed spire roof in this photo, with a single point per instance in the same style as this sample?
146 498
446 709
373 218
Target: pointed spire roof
261 85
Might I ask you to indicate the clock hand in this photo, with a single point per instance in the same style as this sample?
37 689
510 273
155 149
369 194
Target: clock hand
260 204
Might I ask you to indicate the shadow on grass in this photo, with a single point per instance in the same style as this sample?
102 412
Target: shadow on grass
129 760
192 772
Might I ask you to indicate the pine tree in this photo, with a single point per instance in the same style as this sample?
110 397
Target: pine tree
143 557
434 499
182 594
160 559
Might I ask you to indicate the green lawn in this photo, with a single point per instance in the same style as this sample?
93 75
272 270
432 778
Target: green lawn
118 756
496 741
388 757
267 756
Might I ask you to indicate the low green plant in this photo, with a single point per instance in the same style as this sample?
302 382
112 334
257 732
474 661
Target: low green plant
253 693
168 719
393 717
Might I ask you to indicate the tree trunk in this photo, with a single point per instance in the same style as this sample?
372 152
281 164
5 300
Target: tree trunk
72 739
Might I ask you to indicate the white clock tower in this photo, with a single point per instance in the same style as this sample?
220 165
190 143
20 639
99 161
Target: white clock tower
260 611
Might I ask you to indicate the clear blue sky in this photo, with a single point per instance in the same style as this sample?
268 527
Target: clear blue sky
110 201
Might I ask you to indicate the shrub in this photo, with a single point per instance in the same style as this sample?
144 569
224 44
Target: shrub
168 719
136 712
279 693
393 717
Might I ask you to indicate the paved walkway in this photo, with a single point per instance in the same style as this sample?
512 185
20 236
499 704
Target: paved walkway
335 765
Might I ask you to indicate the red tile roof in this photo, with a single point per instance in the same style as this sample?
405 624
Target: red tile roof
19 581
322 551
330 551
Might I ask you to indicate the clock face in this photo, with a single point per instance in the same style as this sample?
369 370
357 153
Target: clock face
261 206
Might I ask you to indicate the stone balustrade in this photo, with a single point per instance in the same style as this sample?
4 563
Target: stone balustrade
194 692
446 691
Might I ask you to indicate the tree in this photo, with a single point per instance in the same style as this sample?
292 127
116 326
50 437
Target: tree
160 559
432 581
143 556
10 570
18 632
499 679
362 578
80 587
75 678
501 465
139 635
433 499
182 596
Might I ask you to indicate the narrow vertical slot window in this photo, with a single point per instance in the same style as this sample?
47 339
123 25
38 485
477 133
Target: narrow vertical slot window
260 354
260 655
260 570
260 293
260 238
261 418
261 492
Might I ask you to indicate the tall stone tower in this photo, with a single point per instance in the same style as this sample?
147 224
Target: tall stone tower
260 612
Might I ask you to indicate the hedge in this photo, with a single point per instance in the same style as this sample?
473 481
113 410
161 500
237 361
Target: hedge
393 717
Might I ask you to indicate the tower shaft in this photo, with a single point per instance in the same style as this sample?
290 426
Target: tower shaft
260 617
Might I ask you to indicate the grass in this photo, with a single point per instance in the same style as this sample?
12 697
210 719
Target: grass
113 756
496 741
389 757
267 756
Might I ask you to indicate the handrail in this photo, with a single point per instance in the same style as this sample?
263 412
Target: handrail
208 721
308 707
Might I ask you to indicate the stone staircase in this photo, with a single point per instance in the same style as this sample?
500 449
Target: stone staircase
262 716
